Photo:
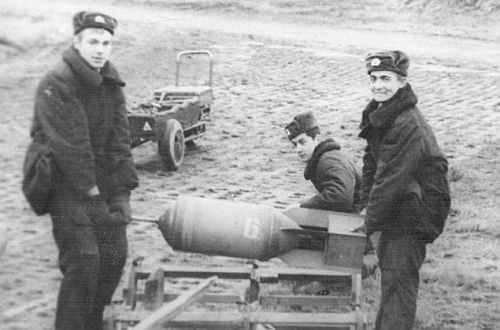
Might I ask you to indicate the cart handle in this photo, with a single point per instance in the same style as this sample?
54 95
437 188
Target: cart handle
193 52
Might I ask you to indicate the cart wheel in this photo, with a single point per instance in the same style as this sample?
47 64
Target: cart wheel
171 145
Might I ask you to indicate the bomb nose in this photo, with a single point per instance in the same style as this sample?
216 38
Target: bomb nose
166 224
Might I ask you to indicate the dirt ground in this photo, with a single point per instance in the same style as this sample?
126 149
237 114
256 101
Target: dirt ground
273 59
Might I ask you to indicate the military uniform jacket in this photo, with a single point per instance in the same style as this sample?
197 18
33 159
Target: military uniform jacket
80 115
404 179
334 176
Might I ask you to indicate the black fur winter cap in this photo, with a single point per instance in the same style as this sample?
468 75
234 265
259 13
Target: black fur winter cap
391 60
302 123
87 19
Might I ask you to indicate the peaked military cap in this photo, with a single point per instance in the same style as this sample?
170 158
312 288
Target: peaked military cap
302 123
87 19
392 60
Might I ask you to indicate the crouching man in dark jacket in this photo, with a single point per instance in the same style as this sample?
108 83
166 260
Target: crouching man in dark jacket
332 172
404 185
80 117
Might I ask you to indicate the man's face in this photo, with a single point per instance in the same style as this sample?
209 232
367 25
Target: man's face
304 145
94 46
384 84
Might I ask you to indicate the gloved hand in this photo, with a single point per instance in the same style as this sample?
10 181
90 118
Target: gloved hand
360 229
364 229
119 208
97 210
370 264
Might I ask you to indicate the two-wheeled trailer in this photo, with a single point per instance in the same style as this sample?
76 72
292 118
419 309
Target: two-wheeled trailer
175 117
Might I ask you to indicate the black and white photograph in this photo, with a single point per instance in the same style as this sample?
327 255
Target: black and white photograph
250 164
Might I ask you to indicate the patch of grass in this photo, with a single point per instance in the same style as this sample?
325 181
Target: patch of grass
457 279
468 306
426 317
23 32
475 218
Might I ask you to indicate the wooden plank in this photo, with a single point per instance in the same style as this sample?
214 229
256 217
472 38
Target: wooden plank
310 274
224 320
201 272
360 316
275 300
211 298
153 291
356 288
172 309
303 300
361 319
284 320
129 292
265 275
252 292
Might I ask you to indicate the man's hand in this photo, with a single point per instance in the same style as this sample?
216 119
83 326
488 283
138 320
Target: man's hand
360 229
119 208
94 191
97 210
370 264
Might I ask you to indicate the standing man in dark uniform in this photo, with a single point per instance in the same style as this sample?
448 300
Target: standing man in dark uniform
404 185
80 116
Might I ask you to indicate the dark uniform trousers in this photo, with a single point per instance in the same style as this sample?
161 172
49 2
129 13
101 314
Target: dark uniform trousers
91 259
400 258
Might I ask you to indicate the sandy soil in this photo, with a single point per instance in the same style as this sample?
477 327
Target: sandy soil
267 70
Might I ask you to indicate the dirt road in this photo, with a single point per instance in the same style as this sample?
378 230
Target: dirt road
468 52
265 73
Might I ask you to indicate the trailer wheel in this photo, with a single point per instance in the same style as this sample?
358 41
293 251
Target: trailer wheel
171 145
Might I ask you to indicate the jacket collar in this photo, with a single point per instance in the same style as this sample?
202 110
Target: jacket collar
321 148
86 74
382 115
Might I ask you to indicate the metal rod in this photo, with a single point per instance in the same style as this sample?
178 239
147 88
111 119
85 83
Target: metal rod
145 219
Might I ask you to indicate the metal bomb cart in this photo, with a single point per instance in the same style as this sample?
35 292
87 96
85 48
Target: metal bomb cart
175 117
318 245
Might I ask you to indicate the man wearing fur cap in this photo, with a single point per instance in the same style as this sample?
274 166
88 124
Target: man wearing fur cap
404 185
333 174
80 117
